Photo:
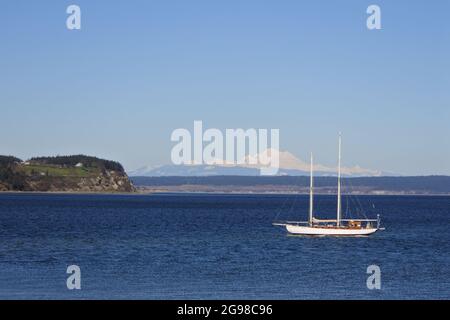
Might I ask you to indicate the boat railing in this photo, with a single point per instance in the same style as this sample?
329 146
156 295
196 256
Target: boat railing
324 221
283 223
361 220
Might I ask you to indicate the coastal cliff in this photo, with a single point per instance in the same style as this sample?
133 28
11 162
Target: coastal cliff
63 174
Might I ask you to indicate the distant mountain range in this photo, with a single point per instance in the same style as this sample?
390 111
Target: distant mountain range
288 163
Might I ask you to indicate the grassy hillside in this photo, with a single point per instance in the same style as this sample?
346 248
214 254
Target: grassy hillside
63 173
72 161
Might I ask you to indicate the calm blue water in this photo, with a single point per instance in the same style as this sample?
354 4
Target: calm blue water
216 246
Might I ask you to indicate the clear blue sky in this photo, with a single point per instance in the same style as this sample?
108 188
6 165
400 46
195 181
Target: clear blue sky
139 69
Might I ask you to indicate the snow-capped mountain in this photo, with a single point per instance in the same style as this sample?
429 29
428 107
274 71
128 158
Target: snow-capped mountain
287 161
288 164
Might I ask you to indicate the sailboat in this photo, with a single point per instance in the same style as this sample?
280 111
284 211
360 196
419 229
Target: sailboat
331 227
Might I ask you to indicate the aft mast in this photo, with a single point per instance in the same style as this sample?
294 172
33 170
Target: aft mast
338 217
311 189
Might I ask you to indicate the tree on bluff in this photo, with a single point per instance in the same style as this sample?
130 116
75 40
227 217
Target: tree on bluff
8 175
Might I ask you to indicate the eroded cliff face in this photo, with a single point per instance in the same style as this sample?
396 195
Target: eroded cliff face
109 181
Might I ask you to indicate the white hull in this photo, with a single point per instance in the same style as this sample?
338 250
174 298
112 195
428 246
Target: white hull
330 231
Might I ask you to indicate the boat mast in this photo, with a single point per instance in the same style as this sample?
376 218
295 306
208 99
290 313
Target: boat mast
311 186
338 218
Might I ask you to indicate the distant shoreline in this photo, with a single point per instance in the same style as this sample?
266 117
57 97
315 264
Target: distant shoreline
70 192
161 192
293 193
422 185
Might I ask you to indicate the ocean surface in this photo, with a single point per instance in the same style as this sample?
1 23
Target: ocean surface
186 246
